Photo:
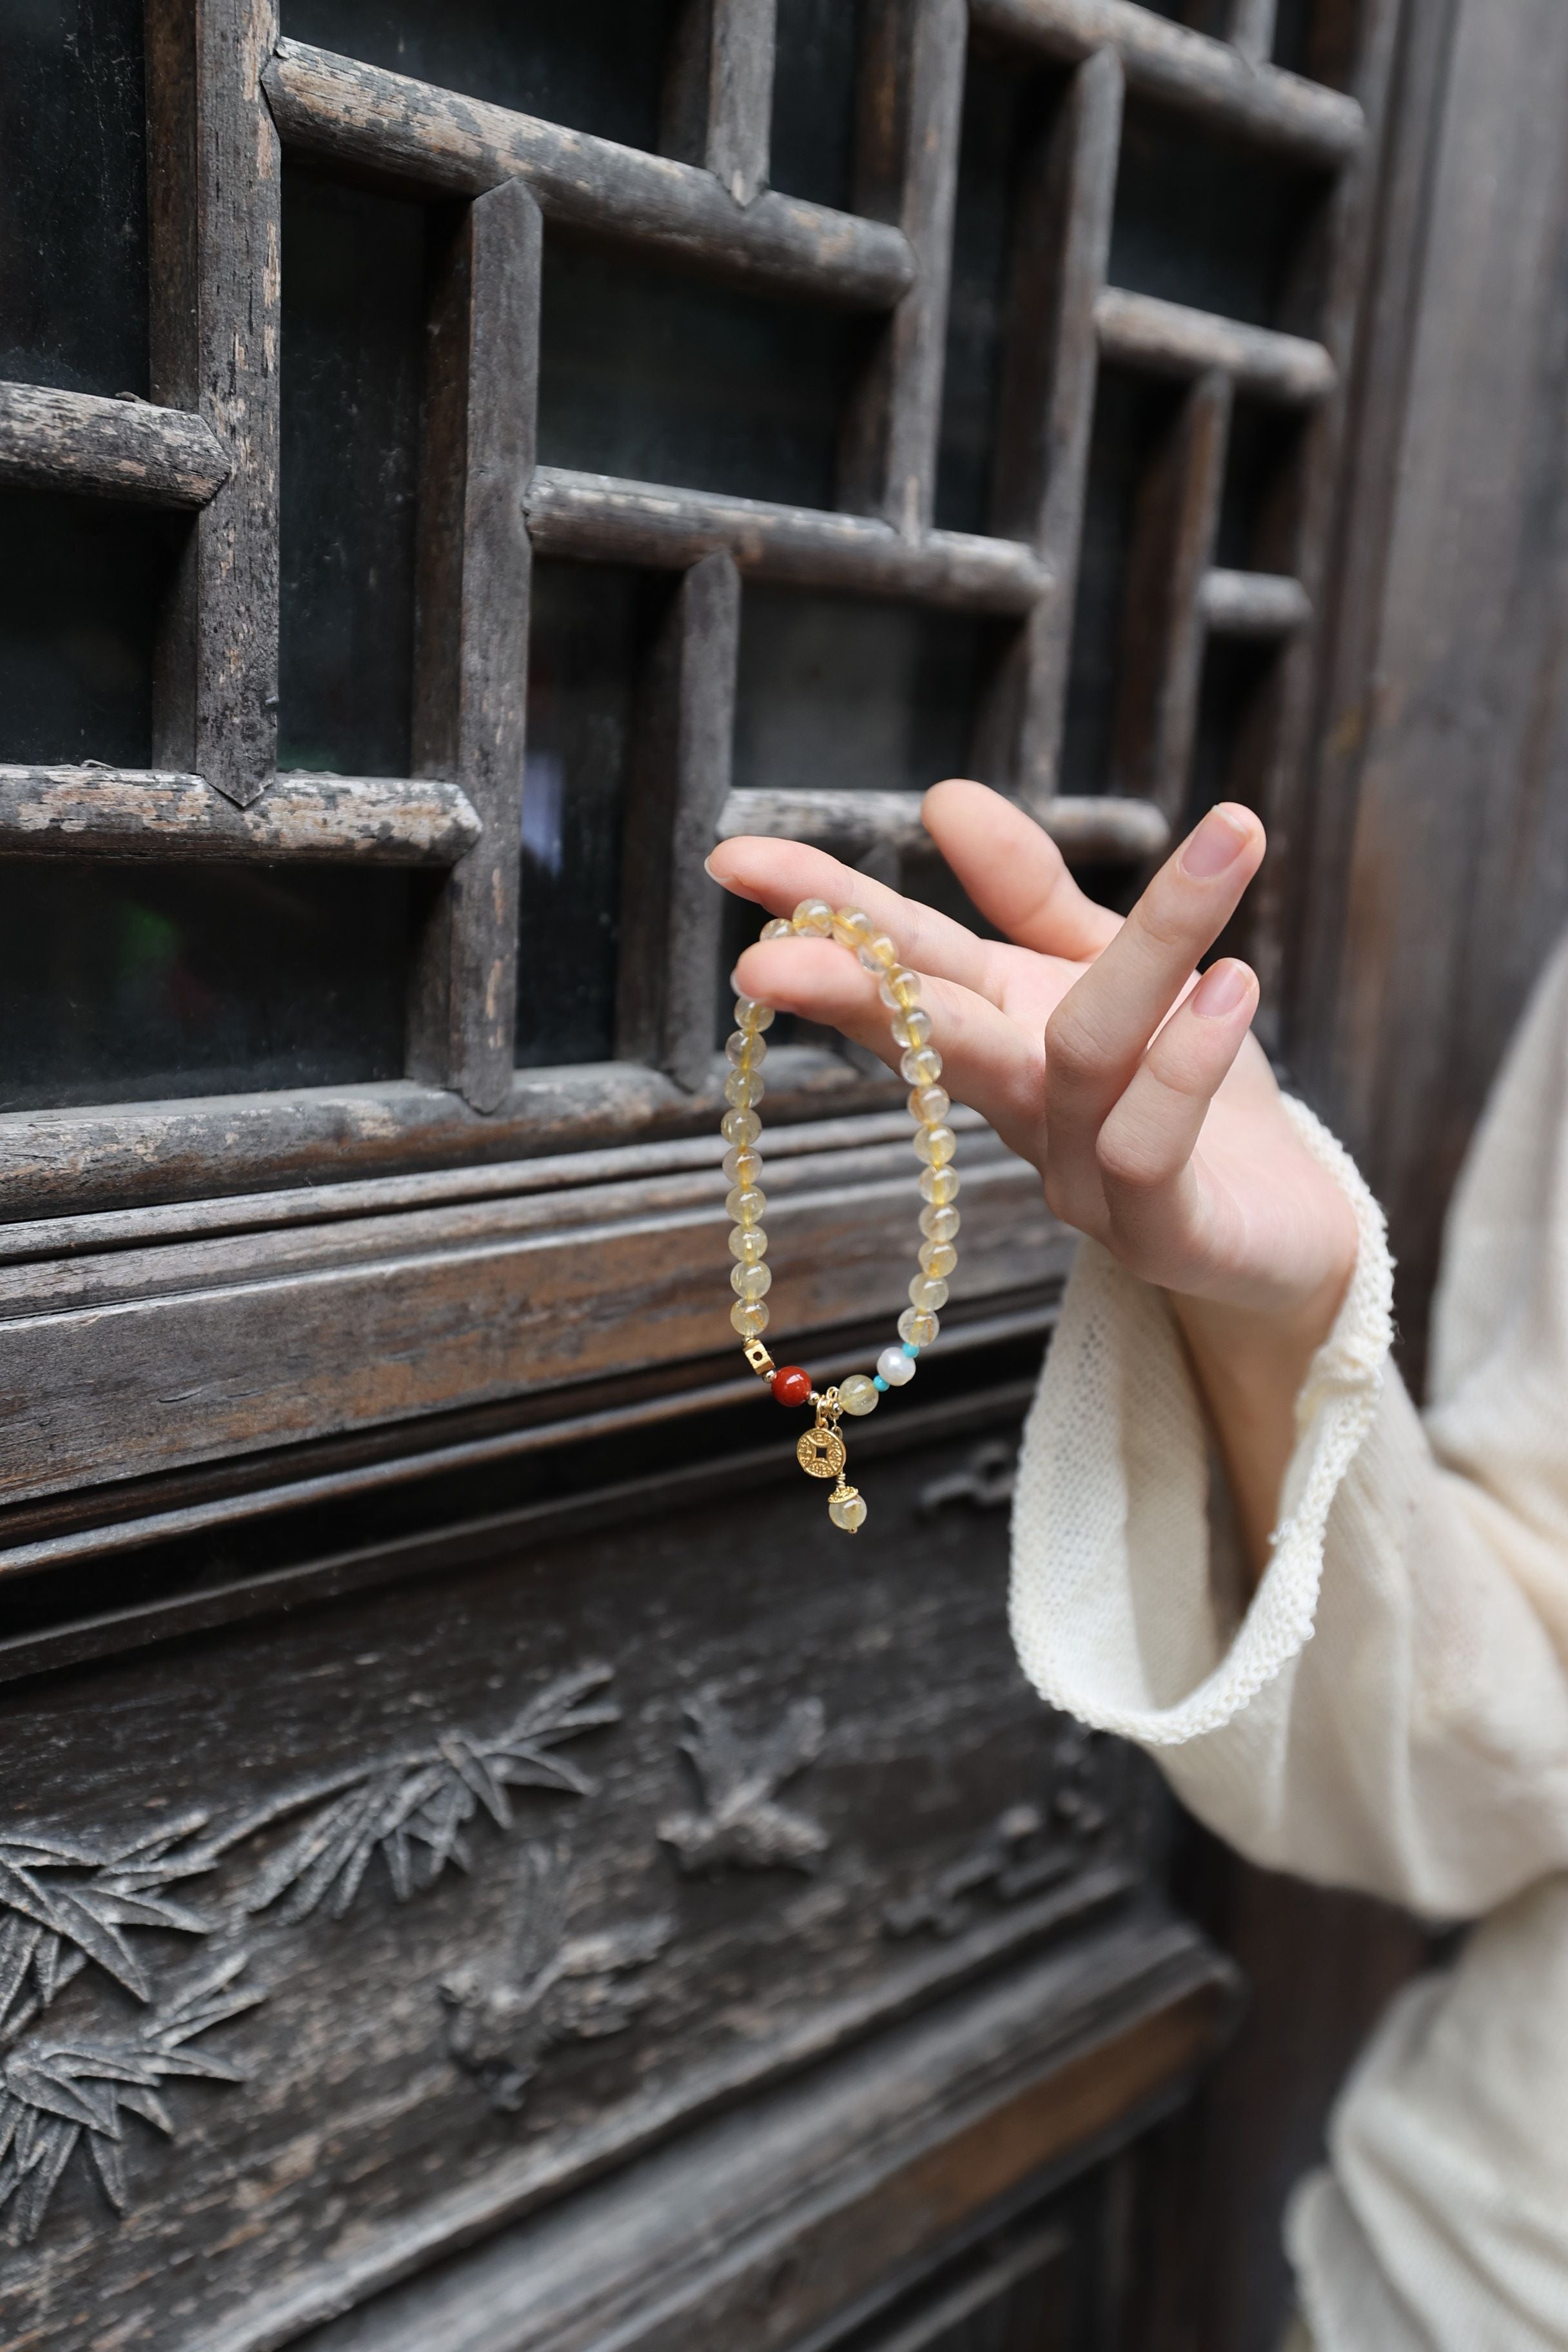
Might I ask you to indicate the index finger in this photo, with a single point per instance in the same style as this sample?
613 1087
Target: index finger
779 874
1098 1033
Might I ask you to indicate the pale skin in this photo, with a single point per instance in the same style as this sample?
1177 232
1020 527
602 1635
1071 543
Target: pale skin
1142 1099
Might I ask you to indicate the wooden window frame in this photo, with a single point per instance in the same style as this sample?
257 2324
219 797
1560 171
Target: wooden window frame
226 96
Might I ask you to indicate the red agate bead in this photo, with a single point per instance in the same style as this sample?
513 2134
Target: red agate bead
791 1385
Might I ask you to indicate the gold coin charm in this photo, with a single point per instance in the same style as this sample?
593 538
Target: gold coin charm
820 1452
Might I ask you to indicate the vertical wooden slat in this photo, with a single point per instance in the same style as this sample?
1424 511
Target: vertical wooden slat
909 107
1251 29
214 218
471 654
1046 407
716 108
1163 631
670 911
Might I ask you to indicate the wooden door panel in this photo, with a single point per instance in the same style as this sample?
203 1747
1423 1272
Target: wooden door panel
791 1833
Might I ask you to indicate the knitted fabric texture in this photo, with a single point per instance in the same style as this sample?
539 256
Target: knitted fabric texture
1113 1472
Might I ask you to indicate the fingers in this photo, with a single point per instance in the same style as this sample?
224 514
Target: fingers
1155 1209
1097 1037
779 874
1014 872
988 1061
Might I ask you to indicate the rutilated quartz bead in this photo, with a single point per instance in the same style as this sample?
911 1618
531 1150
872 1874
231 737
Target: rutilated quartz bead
921 1066
742 1165
937 1258
929 1105
939 1224
749 1243
746 1049
740 1126
900 988
935 1145
750 1281
744 1088
749 1317
858 1393
814 919
851 925
911 1028
846 1511
927 1293
781 928
879 954
939 1185
919 1325
750 1012
745 1205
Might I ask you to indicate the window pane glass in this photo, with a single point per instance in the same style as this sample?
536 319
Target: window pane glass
813 99
598 65
73 203
122 982
1008 109
1202 223
657 377
352 359
1131 413
587 634
81 582
843 691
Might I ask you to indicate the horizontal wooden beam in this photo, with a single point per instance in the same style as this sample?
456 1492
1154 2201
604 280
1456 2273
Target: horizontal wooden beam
1141 330
850 822
1253 605
603 518
106 448
874 2164
435 139
1210 81
128 813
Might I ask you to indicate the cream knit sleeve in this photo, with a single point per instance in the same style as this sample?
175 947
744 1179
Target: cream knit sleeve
1391 1712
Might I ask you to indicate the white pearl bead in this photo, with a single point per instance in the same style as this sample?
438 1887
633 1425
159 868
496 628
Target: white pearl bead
896 1368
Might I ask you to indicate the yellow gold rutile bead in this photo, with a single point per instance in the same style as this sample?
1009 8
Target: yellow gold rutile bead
939 1185
740 1126
749 1243
814 917
937 1258
929 1105
750 1320
745 1205
939 1224
935 1145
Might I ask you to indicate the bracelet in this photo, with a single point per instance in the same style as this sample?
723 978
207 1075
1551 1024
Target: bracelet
821 1451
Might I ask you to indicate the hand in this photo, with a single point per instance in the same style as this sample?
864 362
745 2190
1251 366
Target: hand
1135 1089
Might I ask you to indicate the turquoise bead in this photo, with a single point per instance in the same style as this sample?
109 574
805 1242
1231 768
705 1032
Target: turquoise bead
878 1381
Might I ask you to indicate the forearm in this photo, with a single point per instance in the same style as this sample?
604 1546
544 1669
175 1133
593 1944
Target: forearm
1249 1370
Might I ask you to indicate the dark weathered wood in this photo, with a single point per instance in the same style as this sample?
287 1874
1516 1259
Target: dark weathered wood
1162 625
740 96
911 102
670 911
882 2160
1047 410
214 221
1252 28
355 2150
61 1160
219 1496
1143 332
434 139
852 823
130 812
471 658
601 519
1253 605
108 448
198 1350
1206 80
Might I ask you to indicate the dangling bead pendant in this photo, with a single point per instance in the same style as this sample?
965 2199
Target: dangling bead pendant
820 1450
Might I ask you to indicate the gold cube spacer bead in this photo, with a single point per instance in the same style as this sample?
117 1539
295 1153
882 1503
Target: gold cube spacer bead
761 1362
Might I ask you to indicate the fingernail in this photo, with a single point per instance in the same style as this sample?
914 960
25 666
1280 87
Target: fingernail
1221 990
1217 843
708 867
